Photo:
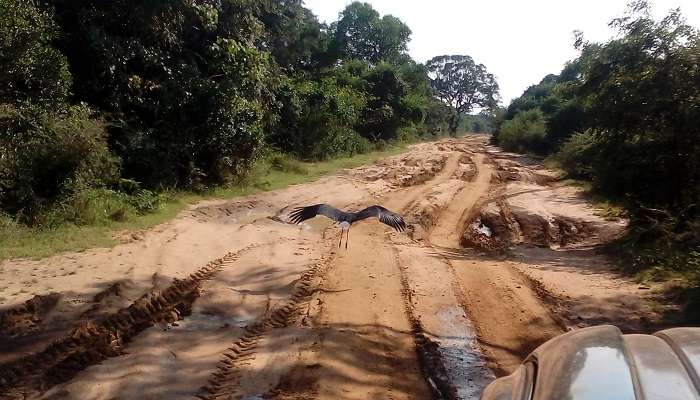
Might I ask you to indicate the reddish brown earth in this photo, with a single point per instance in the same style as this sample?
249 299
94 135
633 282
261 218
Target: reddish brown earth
230 301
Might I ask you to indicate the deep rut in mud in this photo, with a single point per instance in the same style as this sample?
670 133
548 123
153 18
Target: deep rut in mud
223 382
428 352
429 349
97 340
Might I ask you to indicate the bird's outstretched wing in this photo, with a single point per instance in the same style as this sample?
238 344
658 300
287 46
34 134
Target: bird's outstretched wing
301 214
385 216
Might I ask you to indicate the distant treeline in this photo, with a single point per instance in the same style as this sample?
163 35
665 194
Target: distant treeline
625 115
123 98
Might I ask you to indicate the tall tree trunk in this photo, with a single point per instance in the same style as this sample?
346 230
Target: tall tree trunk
454 123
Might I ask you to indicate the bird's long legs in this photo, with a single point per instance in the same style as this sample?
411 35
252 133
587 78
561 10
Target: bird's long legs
347 239
341 238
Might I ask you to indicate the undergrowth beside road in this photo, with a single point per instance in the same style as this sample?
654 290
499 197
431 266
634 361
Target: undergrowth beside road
658 247
107 218
665 249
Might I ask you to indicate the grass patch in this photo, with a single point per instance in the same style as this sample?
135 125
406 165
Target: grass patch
20 241
274 172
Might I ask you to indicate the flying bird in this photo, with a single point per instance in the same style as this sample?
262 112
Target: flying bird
345 219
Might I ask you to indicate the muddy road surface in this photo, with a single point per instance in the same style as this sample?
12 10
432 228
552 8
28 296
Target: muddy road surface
229 300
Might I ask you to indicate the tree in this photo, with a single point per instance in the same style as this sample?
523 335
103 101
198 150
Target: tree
526 132
462 84
294 36
642 90
557 98
33 70
186 90
109 96
49 150
361 34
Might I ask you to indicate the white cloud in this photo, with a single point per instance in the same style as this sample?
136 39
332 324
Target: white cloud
518 41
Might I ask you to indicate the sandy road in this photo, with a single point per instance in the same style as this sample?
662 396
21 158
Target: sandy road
230 301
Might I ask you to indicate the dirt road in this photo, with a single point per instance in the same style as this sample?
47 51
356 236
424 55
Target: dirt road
229 300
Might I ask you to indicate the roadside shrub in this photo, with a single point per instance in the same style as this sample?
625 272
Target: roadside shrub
7 222
46 158
436 119
662 245
407 134
390 106
340 141
32 69
526 132
577 154
99 206
286 163
317 119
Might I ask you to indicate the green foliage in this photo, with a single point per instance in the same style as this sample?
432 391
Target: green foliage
362 34
285 163
340 141
437 118
661 246
389 105
350 107
49 157
463 85
100 207
577 155
560 105
317 118
32 69
643 97
477 123
636 98
525 132
186 93
295 38
104 105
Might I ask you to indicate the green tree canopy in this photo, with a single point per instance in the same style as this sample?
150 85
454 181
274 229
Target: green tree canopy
642 92
362 34
183 85
294 36
462 84
33 70
190 94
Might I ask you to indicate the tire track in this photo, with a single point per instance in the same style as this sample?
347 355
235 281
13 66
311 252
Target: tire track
24 317
96 340
428 353
430 357
224 380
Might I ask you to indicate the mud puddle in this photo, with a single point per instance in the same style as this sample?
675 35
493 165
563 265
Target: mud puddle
463 361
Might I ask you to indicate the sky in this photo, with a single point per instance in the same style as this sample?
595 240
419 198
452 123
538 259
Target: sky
519 41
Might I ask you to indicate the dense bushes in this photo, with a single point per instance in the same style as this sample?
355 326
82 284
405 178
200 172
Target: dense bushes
186 93
559 105
319 117
525 132
636 100
97 98
576 155
47 158
32 69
